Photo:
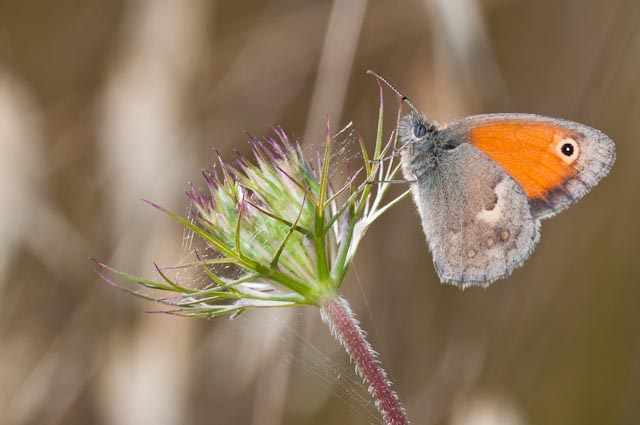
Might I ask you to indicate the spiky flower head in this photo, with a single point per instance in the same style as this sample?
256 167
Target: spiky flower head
288 236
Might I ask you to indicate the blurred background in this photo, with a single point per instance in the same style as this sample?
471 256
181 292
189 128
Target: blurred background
104 103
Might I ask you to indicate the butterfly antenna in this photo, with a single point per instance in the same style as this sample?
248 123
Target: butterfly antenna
396 91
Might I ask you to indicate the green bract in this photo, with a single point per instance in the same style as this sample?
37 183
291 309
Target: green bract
288 235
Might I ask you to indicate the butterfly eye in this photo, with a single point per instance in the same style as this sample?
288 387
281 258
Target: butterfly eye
420 130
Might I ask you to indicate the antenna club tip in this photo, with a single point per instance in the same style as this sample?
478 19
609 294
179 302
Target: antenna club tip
374 73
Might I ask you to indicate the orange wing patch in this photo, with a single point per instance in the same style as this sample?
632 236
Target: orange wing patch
529 152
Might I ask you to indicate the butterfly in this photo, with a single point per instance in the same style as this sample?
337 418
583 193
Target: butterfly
483 183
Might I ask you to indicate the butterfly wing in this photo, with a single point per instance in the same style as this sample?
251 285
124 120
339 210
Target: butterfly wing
477 219
482 184
554 161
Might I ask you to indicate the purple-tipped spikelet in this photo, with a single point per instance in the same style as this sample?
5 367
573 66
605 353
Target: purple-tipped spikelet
278 224
288 237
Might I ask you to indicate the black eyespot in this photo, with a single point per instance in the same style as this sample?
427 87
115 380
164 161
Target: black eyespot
420 130
567 149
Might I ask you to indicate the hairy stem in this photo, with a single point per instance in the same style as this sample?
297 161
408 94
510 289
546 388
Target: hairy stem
337 314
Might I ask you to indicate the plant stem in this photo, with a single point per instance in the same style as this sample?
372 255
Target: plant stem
337 314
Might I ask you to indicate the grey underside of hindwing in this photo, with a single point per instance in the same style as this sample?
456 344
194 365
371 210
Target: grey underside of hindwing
477 220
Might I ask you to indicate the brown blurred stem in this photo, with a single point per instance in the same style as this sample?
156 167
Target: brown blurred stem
337 314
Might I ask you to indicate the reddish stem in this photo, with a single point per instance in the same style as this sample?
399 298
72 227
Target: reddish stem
337 314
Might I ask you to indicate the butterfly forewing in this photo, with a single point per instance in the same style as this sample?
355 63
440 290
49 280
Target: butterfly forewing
554 161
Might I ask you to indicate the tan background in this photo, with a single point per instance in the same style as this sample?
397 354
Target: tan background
106 102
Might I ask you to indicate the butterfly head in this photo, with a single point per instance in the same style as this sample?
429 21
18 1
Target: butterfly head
415 128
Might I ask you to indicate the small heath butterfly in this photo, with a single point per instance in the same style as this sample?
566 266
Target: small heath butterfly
483 183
